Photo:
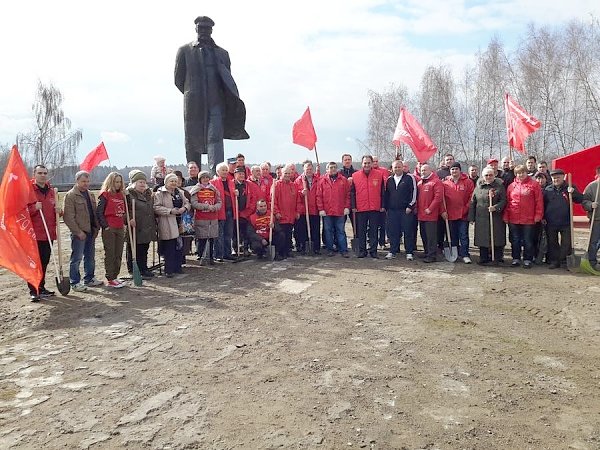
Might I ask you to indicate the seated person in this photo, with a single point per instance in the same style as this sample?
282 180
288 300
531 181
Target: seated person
259 224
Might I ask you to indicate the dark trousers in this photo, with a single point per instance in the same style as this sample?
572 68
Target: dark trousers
211 247
302 233
286 247
594 242
260 250
559 243
141 255
223 243
523 241
367 220
485 255
441 232
401 224
172 256
243 243
381 229
44 249
429 236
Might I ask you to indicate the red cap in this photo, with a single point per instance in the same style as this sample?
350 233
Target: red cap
493 160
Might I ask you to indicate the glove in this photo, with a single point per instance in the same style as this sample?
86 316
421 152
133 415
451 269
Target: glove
322 213
346 211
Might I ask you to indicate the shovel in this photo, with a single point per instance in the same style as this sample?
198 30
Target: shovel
573 261
491 197
271 247
450 253
585 259
137 276
63 284
310 250
238 257
354 241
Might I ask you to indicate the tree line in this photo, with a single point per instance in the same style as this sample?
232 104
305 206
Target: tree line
554 73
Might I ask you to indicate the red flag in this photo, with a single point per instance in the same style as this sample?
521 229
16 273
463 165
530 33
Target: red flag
303 132
18 247
410 131
94 158
519 124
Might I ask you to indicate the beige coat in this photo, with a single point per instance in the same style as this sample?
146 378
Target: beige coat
167 222
76 215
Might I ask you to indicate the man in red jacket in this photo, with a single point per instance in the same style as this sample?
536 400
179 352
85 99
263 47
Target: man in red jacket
458 190
226 188
367 201
259 225
46 205
286 201
333 203
381 230
306 184
430 207
248 194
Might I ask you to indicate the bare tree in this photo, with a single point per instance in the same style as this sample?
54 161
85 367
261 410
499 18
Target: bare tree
554 74
4 154
384 108
51 142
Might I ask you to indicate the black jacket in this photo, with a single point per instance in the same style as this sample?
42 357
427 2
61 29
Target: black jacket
401 196
347 172
556 205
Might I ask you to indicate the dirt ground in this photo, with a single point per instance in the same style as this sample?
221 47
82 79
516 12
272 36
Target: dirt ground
307 353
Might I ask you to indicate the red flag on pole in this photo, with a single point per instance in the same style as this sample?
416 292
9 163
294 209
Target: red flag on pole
94 158
303 132
410 131
18 247
519 124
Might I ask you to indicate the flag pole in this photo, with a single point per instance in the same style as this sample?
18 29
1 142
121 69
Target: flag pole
316 154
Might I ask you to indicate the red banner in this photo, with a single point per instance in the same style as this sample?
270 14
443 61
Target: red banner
18 246
519 124
303 132
410 131
94 158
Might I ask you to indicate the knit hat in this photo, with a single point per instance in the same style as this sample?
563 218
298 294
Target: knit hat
170 177
159 158
456 164
136 175
203 174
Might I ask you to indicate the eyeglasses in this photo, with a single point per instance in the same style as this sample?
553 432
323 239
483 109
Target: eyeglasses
42 173
489 175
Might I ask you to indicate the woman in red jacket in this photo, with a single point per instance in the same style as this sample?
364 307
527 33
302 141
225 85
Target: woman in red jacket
524 208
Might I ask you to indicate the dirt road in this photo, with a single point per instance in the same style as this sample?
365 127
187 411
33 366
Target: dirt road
307 353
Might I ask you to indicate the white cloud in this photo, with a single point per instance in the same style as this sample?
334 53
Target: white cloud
116 69
115 137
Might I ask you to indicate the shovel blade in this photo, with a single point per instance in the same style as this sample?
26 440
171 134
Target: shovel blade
271 252
63 285
309 248
451 254
354 245
573 263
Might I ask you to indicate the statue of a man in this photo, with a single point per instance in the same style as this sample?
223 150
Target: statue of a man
212 108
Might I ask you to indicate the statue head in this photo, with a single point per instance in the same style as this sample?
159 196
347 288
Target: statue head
204 26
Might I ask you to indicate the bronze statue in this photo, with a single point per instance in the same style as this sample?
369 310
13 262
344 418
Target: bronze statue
212 108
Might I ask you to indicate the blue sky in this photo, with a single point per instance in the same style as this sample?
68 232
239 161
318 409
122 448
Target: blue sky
113 62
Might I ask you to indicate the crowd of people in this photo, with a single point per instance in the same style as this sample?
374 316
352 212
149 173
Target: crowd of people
244 211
